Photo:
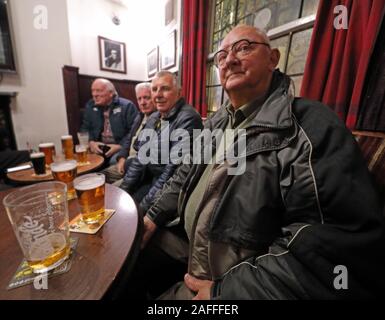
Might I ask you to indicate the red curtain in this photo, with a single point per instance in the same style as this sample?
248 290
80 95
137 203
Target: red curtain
195 33
338 60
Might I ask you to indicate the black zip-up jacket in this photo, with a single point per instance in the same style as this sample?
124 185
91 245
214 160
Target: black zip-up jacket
181 116
306 201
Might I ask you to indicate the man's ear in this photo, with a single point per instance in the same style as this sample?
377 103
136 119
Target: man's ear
274 58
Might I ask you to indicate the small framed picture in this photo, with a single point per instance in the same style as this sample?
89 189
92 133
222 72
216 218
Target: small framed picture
168 52
169 14
152 62
112 55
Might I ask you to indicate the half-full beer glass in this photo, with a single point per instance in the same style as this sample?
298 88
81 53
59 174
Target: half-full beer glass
66 172
67 146
49 151
39 217
90 190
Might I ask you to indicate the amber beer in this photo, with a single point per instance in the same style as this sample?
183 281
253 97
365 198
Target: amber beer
90 190
49 151
48 251
81 153
67 146
66 172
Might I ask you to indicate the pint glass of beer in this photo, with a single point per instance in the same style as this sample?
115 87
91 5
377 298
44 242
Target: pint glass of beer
49 151
90 192
66 172
81 153
68 147
38 162
39 217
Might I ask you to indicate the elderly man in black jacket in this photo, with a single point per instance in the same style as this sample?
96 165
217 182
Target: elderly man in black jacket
302 221
143 179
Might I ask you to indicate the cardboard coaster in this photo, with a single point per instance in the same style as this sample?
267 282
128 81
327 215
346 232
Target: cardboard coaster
24 275
46 174
82 164
77 225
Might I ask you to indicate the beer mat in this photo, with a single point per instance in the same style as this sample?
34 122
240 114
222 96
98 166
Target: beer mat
24 275
77 225
82 164
46 174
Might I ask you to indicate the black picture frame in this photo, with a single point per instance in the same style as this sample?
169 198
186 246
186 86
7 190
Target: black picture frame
112 55
153 62
7 60
168 52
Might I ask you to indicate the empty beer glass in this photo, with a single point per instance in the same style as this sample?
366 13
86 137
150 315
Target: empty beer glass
90 190
66 172
83 138
39 217
38 162
49 151
67 146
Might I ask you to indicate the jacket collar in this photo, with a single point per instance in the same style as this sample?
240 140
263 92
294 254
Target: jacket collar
175 109
275 112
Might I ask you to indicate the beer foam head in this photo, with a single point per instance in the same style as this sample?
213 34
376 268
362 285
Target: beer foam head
66 137
89 182
46 145
63 166
37 155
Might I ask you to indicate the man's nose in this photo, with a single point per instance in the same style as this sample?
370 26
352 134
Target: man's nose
231 58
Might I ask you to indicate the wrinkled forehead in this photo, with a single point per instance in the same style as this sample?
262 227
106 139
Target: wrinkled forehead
98 85
144 92
164 80
249 33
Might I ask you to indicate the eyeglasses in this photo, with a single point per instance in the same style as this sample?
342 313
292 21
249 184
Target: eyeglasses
240 49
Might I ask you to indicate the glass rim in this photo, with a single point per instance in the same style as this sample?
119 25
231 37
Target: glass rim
89 175
46 144
37 188
54 164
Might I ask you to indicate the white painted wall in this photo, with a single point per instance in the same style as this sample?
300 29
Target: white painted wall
38 111
89 19
142 28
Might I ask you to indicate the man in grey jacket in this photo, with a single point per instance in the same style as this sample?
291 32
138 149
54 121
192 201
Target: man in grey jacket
303 221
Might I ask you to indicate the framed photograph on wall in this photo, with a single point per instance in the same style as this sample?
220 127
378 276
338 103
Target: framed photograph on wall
152 62
7 61
169 13
112 55
168 52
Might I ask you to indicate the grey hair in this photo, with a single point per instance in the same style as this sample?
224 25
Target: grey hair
143 85
109 85
164 73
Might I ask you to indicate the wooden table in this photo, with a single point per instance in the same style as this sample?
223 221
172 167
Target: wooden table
28 176
100 263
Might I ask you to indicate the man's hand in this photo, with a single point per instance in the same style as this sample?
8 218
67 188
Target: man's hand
114 149
149 229
120 165
94 147
201 287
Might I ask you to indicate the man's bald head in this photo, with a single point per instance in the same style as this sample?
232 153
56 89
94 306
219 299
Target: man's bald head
246 64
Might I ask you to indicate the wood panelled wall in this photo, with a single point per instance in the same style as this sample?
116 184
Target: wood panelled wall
77 88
